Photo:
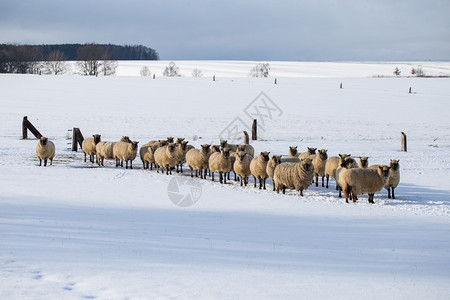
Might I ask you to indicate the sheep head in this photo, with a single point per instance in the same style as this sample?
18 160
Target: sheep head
293 150
43 141
323 154
394 164
265 155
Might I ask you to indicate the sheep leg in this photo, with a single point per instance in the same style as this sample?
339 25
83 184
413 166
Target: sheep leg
126 164
260 183
192 174
347 191
225 178
328 179
181 168
301 191
340 190
84 157
242 181
317 180
51 161
264 182
393 195
40 162
206 171
45 162
371 198
212 176
254 180
389 192
284 190
273 185
323 178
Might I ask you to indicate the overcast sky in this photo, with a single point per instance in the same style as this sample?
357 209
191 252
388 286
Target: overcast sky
318 30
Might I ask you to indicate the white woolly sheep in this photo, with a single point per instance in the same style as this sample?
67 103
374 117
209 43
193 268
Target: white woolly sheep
273 162
220 163
197 159
241 166
166 157
359 181
247 149
45 150
88 147
308 153
347 162
319 163
363 162
181 149
148 158
258 167
124 152
332 164
104 150
394 176
294 175
293 152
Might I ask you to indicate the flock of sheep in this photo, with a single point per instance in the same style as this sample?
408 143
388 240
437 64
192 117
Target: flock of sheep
293 171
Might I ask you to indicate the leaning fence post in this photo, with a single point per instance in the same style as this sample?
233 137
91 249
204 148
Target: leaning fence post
26 125
77 139
254 130
404 146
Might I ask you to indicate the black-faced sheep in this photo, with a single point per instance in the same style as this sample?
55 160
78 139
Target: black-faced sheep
89 147
45 150
258 168
197 159
124 152
166 157
241 166
294 175
274 161
319 163
220 162
359 181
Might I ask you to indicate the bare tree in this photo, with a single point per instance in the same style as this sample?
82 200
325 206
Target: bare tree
172 70
89 57
418 72
145 71
197 73
260 70
108 65
397 71
56 63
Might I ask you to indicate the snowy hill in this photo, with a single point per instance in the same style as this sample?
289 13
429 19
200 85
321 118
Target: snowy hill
75 230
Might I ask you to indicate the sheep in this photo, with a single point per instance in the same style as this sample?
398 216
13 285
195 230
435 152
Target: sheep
215 148
346 162
197 159
332 164
308 153
224 143
241 166
394 176
88 146
158 143
294 175
363 162
105 150
124 151
220 162
166 157
169 140
293 152
45 150
357 181
274 161
148 157
247 149
181 149
319 163
258 168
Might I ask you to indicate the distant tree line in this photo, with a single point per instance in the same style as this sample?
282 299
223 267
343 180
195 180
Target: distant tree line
31 59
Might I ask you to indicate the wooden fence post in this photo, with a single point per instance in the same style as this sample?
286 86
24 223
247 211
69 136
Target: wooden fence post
77 139
246 138
254 130
24 128
26 125
404 145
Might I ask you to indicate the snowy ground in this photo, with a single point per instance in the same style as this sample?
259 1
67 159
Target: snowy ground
74 230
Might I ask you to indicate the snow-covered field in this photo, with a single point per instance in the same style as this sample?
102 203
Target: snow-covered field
74 230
